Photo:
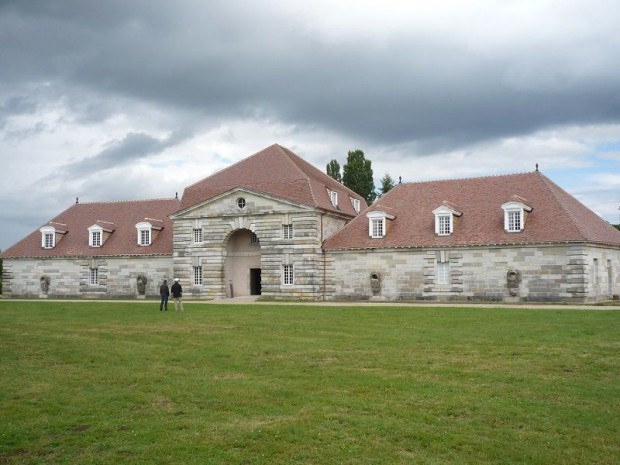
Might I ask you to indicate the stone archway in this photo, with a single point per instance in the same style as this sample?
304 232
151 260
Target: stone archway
242 269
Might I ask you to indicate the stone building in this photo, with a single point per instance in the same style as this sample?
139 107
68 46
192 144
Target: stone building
507 238
274 225
99 249
257 227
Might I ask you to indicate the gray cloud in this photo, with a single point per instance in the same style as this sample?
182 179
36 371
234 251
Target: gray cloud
133 147
210 59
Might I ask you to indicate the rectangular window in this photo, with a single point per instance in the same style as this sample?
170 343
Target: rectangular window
595 269
197 236
287 274
93 278
333 196
287 231
49 240
145 237
356 204
443 226
254 239
96 240
443 273
198 276
377 227
514 220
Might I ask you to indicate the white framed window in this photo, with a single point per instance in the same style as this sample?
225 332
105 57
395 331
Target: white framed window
96 239
144 233
444 224
513 220
197 234
95 236
287 275
444 219
377 224
198 276
48 237
443 273
48 240
145 237
287 231
356 204
514 216
93 276
378 227
333 197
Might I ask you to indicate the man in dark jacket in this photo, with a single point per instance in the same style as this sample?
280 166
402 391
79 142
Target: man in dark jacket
177 294
164 291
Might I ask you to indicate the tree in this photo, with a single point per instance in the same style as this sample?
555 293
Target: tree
387 183
357 175
333 170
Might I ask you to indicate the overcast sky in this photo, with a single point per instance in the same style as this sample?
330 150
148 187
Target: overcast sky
119 100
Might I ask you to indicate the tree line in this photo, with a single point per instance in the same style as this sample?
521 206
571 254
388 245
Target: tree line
357 175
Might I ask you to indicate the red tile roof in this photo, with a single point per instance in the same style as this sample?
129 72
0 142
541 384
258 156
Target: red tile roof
119 217
278 172
556 216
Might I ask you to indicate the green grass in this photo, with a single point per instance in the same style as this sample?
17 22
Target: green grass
122 383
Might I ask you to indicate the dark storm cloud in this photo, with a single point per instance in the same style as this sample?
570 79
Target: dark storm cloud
132 148
223 60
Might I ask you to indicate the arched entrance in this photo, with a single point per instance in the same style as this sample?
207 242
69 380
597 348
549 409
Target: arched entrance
243 273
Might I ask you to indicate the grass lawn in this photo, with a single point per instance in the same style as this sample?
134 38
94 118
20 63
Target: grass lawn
122 383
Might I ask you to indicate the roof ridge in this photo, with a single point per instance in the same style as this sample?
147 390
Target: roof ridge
101 202
324 177
552 186
287 153
471 178
226 168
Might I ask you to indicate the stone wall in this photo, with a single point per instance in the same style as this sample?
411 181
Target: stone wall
264 216
509 274
70 277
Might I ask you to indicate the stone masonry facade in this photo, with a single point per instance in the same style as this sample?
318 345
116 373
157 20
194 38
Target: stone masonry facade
117 277
577 273
265 217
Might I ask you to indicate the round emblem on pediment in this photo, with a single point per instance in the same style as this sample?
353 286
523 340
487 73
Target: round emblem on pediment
241 203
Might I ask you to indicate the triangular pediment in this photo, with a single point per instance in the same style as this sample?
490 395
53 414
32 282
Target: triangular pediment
240 201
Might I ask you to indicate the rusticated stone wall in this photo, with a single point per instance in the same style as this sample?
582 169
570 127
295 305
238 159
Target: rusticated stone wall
543 273
70 277
264 216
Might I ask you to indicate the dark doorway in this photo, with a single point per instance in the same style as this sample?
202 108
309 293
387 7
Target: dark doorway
254 281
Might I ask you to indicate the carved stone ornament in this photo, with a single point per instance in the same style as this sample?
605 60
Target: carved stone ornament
513 280
141 280
45 284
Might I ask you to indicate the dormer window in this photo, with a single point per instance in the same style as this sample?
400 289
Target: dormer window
333 197
95 236
444 219
514 215
145 237
95 239
48 237
99 232
144 233
356 204
377 226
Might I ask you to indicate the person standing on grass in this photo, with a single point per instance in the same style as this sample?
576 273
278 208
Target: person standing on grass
177 294
164 292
